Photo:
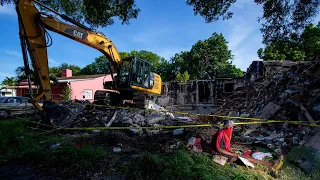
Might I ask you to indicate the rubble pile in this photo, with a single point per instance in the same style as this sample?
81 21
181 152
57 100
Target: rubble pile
88 115
293 95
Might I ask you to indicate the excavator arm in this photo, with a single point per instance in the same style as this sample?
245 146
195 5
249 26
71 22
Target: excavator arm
33 33
134 73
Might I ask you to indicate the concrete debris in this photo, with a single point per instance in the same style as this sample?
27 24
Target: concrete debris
96 116
136 131
269 110
278 97
292 95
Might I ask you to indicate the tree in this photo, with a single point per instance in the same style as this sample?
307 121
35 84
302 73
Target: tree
76 70
227 70
207 59
21 75
282 51
166 70
205 55
99 66
311 41
279 20
9 81
92 12
66 93
149 56
182 77
280 17
299 47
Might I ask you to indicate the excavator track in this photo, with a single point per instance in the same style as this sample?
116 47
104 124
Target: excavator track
108 98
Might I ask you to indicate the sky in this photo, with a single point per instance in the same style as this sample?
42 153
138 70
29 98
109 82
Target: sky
164 27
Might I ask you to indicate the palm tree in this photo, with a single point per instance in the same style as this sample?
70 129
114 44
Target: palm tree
9 81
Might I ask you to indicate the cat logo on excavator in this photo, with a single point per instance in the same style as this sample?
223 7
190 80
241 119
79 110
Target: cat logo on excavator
76 33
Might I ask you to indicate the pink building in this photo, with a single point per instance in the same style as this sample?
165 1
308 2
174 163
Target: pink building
83 87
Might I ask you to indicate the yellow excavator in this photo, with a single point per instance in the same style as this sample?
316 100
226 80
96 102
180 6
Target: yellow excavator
131 76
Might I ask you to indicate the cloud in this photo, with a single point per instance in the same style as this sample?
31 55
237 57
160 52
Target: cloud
13 53
7 9
52 61
239 30
239 35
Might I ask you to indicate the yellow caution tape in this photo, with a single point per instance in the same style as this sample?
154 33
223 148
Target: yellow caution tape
168 127
184 113
257 121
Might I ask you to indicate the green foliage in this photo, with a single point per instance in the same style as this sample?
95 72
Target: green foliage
291 168
93 12
282 51
69 161
279 20
9 81
55 72
149 56
282 18
166 70
182 77
11 146
227 70
303 47
76 70
34 148
21 75
66 93
311 41
212 10
207 59
186 165
99 66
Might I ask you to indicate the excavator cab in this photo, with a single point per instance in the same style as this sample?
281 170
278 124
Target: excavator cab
134 77
135 72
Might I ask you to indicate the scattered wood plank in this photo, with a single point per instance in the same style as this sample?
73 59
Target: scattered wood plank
306 113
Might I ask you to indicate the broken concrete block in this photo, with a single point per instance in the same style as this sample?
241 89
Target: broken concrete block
155 118
269 110
136 131
126 120
139 120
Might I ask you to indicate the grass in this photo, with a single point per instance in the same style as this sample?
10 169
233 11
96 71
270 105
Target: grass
186 165
17 143
67 160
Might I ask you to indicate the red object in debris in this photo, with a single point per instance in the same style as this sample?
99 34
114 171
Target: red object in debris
256 150
247 153
195 144
78 145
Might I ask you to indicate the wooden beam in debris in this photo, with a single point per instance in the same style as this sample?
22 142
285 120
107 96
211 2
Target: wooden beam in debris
306 113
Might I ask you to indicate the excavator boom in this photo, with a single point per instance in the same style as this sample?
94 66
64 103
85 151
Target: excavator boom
132 74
